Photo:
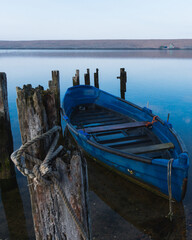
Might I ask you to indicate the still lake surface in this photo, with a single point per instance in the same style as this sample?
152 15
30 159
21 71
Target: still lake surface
119 209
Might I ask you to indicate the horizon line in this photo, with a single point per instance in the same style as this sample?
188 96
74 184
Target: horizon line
101 39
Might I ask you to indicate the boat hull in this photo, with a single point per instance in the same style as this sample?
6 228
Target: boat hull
152 176
150 173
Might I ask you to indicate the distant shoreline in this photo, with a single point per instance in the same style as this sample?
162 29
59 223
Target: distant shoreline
110 49
158 44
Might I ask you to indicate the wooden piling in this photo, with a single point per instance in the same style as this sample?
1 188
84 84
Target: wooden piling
6 140
123 81
168 116
38 112
96 78
76 78
87 77
54 87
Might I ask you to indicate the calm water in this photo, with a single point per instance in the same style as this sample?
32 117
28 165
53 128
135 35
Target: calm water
119 210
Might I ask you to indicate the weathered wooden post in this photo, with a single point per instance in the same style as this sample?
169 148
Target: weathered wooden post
76 78
123 81
168 116
6 140
10 195
38 111
96 78
87 77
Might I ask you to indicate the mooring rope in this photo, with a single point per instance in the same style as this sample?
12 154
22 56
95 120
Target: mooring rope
169 172
43 169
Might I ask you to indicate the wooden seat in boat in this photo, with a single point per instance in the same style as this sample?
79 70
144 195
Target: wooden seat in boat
150 148
104 128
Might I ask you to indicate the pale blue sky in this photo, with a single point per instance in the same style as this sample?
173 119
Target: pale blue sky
101 19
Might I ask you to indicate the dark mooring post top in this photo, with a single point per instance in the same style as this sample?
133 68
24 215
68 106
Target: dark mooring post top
96 78
87 77
77 74
123 80
76 78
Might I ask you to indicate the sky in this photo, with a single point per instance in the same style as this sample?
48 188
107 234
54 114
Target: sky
101 19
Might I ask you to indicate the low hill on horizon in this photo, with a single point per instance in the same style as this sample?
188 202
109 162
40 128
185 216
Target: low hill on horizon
99 44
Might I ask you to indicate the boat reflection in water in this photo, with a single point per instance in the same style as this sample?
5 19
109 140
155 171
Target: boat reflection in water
122 210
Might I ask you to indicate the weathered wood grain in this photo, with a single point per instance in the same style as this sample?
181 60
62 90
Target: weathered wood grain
6 140
38 111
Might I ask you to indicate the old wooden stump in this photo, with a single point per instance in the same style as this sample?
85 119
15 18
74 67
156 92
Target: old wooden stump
76 78
96 78
123 81
87 77
6 140
38 111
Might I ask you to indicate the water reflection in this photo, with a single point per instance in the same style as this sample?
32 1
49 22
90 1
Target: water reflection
13 209
163 80
140 208
64 53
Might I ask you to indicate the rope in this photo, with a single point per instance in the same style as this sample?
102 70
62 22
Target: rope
42 169
169 172
151 123
16 156
70 209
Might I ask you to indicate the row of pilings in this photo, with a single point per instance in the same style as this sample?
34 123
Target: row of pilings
122 77
38 111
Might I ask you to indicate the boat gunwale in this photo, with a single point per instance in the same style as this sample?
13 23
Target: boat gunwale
117 152
178 138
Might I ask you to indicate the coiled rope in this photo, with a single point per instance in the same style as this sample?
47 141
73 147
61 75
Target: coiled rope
42 170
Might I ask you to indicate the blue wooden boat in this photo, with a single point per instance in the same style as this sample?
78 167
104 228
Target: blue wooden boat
129 139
